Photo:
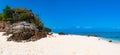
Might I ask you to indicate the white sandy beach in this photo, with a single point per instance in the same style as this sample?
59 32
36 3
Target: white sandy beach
59 45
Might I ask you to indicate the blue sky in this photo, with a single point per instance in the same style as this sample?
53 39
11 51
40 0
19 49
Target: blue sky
66 14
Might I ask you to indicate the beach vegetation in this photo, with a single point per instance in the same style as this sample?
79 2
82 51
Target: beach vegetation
1 17
13 15
46 29
7 12
14 20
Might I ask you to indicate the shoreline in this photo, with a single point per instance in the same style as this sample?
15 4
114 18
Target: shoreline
113 41
60 45
101 37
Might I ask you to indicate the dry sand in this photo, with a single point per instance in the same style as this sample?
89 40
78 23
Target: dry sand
59 45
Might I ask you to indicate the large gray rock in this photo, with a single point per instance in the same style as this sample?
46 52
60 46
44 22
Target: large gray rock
24 25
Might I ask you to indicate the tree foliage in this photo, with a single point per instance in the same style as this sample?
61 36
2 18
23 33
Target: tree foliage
1 17
13 15
7 12
45 29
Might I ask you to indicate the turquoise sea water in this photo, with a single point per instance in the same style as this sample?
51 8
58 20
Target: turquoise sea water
114 36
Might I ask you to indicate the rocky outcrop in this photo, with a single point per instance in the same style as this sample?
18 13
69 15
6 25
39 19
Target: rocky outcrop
23 25
26 35
24 31
2 26
61 33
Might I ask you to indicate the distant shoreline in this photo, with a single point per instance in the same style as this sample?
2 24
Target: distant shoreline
114 36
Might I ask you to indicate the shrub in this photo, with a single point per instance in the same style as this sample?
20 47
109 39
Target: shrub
45 29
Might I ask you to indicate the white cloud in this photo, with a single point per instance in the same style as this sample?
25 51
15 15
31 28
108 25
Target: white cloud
60 27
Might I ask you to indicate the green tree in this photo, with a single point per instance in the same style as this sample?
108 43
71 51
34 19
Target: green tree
33 21
1 17
7 12
13 15
22 16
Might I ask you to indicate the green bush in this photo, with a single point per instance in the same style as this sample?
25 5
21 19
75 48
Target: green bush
13 15
7 12
45 29
1 17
